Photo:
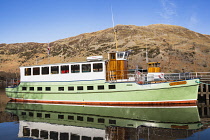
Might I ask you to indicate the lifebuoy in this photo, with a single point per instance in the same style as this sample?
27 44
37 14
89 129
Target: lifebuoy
161 76
138 73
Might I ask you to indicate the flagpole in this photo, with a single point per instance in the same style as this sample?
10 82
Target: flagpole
48 51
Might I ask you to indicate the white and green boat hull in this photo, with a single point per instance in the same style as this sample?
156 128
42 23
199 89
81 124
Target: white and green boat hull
100 92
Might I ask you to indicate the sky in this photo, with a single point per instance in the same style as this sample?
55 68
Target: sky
44 21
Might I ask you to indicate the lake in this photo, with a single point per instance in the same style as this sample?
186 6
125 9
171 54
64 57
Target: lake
80 122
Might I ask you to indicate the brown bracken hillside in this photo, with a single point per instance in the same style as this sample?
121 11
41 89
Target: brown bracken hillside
177 48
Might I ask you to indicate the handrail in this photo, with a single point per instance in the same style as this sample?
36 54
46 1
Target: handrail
12 82
135 76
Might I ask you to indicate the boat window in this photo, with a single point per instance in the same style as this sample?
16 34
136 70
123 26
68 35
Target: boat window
60 116
98 138
112 121
100 87
36 71
60 88
64 136
48 88
89 119
101 120
27 71
39 88
80 118
120 55
23 113
80 88
75 137
150 65
45 70
31 114
47 115
31 88
126 55
26 131
86 67
75 68
39 115
89 87
53 135
112 56
35 133
70 88
54 69
97 67
86 138
71 117
64 69
44 134
24 88
112 87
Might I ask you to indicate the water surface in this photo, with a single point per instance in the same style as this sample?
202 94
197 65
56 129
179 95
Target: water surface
70 122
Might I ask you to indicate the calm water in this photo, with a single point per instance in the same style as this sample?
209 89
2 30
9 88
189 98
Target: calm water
68 122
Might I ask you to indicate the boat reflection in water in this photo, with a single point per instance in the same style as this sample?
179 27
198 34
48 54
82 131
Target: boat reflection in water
53 121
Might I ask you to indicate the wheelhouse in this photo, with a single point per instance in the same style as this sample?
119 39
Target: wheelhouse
117 66
154 67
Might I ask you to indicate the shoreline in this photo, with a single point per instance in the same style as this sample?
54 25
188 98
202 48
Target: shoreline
3 99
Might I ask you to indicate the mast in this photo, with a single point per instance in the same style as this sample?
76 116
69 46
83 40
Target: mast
115 31
146 55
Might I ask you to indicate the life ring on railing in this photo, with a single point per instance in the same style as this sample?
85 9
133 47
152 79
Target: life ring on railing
161 76
138 73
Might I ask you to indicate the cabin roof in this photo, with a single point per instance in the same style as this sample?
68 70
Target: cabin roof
153 62
116 51
63 63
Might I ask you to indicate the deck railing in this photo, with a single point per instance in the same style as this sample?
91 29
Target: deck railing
12 82
201 75
143 76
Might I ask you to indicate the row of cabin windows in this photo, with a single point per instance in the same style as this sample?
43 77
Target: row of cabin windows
44 134
70 117
63 135
71 88
64 69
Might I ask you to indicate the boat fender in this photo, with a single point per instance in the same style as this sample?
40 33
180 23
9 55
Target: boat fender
140 82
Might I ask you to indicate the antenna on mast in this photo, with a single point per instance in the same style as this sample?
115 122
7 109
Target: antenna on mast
115 31
146 55
112 17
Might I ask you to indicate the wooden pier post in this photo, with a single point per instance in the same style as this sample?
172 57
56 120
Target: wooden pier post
207 91
201 89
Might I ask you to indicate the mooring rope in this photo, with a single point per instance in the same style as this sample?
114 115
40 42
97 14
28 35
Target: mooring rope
202 83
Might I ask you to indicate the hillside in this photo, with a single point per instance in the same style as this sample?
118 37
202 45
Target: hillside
177 48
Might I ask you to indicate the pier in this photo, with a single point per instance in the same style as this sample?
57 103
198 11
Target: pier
204 87
203 94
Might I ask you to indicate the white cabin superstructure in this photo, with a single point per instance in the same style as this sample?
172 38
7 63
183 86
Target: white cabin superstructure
67 72
42 130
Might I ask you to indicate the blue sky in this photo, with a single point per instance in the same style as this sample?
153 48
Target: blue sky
45 21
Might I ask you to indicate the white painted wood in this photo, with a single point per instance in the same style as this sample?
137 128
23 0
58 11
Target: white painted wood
81 131
66 76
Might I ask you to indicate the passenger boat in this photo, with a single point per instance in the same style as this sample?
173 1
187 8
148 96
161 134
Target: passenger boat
56 121
103 82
